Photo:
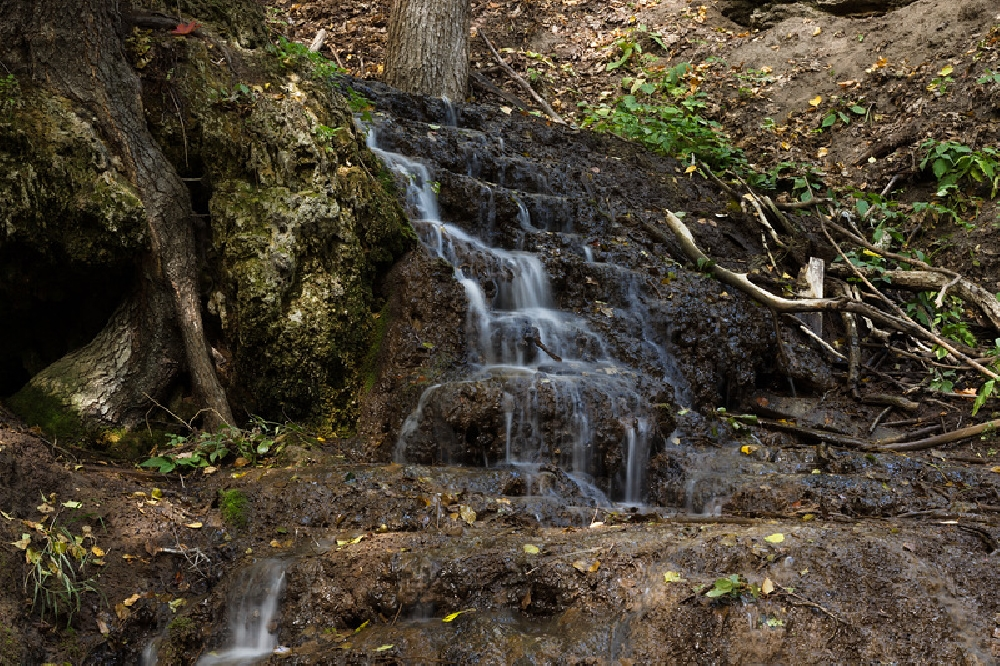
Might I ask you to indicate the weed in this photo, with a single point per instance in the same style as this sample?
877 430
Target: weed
208 448
295 56
732 588
953 163
57 560
989 77
630 45
939 84
661 111
843 114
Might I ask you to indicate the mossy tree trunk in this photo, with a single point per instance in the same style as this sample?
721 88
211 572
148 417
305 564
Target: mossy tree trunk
428 47
76 50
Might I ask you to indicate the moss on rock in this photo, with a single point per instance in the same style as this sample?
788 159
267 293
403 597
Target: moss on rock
301 229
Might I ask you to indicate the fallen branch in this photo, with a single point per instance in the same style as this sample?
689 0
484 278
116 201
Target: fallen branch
524 84
933 279
740 282
944 438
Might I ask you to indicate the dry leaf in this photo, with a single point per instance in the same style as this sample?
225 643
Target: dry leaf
530 549
816 101
195 525
767 587
777 537
747 449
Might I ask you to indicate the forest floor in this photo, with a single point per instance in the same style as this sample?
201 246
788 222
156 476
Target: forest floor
906 585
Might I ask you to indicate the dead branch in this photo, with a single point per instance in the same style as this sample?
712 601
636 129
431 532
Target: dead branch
524 84
944 438
836 355
939 280
740 282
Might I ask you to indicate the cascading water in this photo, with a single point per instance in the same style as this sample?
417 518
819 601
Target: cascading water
253 611
556 384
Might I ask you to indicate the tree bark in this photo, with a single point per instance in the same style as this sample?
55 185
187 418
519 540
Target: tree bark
428 47
75 50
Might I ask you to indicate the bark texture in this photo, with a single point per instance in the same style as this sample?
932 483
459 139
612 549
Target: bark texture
75 50
428 47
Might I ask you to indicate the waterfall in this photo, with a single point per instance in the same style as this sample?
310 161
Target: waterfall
560 388
253 610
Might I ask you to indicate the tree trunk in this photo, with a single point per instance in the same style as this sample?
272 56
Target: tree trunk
428 47
75 49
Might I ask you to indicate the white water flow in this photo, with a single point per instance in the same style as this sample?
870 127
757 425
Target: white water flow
557 379
253 613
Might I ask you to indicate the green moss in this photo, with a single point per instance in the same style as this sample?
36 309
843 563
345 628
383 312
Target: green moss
10 646
233 506
369 367
51 414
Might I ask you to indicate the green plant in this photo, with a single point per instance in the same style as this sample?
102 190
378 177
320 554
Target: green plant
948 318
57 561
939 84
630 45
842 114
295 56
953 163
187 454
989 77
732 588
661 111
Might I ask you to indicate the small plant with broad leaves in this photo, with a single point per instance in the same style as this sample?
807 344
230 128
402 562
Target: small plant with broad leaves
954 164
662 111
207 449
298 56
732 588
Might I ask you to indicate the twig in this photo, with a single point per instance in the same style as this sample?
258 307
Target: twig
524 84
742 283
878 419
781 351
796 600
854 348
818 340
488 86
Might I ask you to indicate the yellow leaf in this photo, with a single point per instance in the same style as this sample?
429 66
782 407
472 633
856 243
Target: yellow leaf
131 600
869 253
747 449
98 552
767 587
946 70
822 152
530 549
468 515
451 616
995 469
785 145
195 525
691 169
275 543
777 537
817 31
156 494
816 101
673 577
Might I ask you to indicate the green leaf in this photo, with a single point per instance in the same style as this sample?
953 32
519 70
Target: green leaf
860 110
984 394
163 465
829 120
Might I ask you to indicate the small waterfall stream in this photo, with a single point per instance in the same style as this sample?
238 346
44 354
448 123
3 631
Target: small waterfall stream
560 389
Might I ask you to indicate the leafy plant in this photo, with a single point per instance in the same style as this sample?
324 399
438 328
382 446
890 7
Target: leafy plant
661 111
631 45
209 448
842 114
732 588
953 163
57 561
295 56
939 84
989 77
